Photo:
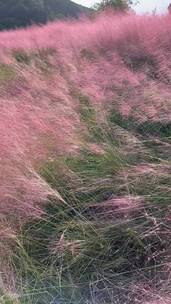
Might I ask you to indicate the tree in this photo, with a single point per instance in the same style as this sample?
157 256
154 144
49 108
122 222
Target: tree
115 4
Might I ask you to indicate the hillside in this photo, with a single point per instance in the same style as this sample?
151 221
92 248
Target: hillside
21 13
85 162
64 8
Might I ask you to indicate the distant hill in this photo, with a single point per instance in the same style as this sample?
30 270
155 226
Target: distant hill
65 8
21 13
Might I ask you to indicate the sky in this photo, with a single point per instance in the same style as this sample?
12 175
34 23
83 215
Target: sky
144 6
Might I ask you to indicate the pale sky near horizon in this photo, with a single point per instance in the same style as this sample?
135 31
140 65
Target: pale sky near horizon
144 6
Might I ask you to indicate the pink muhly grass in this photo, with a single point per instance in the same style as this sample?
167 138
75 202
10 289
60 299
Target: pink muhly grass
62 245
160 300
112 44
121 62
119 206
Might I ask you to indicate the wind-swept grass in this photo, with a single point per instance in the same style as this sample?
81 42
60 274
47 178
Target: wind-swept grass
110 231
85 157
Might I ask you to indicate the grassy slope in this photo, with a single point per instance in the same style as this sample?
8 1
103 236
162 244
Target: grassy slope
85 162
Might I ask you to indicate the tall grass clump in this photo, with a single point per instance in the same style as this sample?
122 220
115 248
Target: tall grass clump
85 154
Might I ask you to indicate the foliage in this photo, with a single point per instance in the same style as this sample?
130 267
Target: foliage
114 4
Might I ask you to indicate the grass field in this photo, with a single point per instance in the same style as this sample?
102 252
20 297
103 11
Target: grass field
85 162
